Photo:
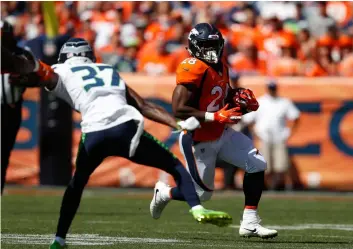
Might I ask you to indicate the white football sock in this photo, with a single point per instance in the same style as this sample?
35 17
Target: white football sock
249 214
60 240
197 207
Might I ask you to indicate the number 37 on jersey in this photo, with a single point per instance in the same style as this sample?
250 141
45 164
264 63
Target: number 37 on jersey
98 76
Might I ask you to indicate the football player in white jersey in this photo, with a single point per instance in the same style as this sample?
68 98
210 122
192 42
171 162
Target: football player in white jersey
112 125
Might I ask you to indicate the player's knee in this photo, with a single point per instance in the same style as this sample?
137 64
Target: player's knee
256 162
205 195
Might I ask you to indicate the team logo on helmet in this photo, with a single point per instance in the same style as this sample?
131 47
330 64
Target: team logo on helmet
193 32
206 43
76 47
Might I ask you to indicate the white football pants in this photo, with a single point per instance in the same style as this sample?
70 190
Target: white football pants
232 147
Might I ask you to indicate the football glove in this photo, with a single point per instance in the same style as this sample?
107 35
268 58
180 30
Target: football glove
231 116
246 99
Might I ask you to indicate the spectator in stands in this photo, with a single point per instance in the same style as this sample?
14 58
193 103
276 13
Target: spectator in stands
306 43
345 45
90 36
156 60
324 50
244 28
140 25
127 61
163 25
345 67
67 17
312 66
287 64
245 61
320 21
270 127
113 50
341 12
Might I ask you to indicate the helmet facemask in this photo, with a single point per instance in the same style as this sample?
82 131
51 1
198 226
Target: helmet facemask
208 50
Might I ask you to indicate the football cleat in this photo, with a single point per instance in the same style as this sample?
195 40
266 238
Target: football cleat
205 216
159 201
254 229
56 245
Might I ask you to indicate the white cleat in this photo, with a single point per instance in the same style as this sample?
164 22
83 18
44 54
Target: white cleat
159 201
254 229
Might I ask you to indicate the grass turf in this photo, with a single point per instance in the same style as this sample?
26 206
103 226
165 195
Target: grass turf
114 219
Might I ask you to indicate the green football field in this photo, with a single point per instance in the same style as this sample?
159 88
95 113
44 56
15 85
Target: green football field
120 218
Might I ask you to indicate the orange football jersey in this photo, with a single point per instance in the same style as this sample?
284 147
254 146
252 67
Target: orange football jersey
211 90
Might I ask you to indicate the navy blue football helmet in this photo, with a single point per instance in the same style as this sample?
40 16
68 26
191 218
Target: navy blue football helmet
76 47
206 43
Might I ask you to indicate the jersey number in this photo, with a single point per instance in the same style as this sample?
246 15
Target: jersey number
92 80
191 61
212 107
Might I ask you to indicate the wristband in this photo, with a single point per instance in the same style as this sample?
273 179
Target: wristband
209 116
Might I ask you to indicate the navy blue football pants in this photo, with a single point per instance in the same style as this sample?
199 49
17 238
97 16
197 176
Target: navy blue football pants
96 146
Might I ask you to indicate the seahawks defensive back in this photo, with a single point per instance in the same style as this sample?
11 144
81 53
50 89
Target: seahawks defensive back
112 125
95 90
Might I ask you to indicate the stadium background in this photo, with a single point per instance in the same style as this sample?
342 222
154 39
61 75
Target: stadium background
307 47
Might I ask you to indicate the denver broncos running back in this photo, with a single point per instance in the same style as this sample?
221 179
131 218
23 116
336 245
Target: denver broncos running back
202 86
112 125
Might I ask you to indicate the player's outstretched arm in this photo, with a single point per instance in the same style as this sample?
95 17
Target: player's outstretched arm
149 109
45 74
181 97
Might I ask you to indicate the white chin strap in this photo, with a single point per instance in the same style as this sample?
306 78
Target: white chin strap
78 60
211 56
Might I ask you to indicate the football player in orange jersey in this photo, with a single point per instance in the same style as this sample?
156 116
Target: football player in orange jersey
202 86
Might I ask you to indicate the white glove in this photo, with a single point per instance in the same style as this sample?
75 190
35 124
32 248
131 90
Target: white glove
190 124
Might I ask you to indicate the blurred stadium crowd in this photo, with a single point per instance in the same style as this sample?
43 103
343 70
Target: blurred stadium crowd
262 38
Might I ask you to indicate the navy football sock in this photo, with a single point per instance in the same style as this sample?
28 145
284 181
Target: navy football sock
176 194
252 186
69 205
186 187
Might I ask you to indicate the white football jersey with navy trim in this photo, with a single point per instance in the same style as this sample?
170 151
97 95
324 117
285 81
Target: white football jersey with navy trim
97 92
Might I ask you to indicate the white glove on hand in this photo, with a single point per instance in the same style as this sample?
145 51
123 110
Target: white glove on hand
190 124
